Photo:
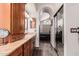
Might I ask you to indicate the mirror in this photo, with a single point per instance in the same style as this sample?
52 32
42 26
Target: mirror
3 33
33 23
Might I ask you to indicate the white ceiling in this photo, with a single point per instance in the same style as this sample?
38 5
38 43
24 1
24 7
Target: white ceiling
53 6
44 16
33 8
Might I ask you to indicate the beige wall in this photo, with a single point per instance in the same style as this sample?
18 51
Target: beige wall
5 16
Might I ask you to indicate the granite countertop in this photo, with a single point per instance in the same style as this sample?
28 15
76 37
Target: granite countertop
10 47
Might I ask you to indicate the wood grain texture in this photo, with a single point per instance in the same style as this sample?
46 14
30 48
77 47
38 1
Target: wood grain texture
17 21
46 49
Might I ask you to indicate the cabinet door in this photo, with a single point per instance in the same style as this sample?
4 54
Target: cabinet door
21 18
14 18
17 52
17 18
28 48
17 21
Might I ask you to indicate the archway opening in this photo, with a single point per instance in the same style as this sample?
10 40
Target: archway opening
45 24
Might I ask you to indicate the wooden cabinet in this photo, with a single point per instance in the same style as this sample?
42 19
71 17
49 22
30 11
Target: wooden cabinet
17 21
25 50
17 52
28 48
17 18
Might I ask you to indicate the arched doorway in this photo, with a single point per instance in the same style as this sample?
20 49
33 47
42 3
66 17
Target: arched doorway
45 15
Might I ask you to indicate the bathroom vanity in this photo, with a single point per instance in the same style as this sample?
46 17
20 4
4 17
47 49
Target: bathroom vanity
23 47
16 43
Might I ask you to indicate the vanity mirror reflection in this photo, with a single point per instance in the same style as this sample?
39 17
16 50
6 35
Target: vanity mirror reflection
33 23
30 23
